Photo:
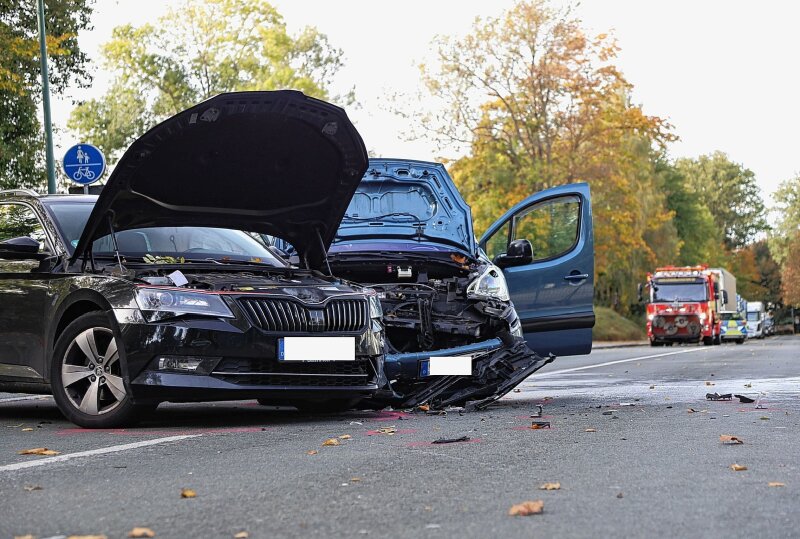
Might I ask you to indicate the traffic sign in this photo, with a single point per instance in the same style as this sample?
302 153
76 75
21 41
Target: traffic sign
84 164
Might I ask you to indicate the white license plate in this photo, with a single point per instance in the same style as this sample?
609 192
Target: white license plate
450 366
317 349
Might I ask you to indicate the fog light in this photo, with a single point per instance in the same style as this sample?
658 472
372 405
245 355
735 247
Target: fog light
189 364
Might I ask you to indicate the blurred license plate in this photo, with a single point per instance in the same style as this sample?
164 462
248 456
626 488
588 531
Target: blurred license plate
446 366
317 349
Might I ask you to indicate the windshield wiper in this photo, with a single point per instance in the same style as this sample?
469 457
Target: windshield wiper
376 217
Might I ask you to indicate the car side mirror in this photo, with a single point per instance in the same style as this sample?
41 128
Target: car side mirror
22 248
519 252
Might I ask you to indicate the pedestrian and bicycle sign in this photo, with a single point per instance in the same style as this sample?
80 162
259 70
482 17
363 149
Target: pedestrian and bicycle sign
84 164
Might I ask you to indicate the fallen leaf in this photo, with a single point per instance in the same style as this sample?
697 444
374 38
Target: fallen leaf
355 479
776 484
31 488
536 425
241 535
27 429
691 410
387 430
141 532
550 486
764 418
345 437
331 441
39 451
709 383
188 493
29 536
590 430
738 467
312 452
730 440
424 407
525 509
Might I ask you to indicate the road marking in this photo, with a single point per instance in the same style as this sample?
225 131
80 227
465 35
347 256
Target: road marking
93 452
618 361
26 398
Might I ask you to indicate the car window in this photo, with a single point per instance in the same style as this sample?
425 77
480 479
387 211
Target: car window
17 221
498 242
551 226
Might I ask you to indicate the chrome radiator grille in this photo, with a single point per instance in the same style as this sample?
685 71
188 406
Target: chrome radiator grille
288 316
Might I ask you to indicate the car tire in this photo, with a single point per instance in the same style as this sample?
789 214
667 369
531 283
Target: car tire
89 388
708 341
655 343
739 341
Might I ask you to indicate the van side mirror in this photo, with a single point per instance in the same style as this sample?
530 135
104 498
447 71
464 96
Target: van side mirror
519 252
725 297
716 290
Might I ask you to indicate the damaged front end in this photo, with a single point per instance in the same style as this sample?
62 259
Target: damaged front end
453 337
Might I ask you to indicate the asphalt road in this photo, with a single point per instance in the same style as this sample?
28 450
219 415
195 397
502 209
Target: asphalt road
650 468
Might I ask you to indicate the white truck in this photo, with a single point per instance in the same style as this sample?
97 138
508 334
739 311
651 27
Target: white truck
756 316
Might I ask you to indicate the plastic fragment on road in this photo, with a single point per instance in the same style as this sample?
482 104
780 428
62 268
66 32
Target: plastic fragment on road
43 451
738 468
745 399
451 440
536 425
730 440
331 441
550 486
141 532
718 397
776 484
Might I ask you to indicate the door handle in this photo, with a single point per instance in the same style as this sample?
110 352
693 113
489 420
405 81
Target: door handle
576 277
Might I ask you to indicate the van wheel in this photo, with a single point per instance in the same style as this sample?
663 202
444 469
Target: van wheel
86 375
708 341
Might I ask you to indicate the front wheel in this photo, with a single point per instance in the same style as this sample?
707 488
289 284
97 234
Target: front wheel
739 341
86 375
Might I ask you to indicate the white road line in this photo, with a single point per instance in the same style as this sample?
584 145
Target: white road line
93 452
26 398
618 361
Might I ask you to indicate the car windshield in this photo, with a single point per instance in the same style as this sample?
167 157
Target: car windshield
731 316
679 291
188 242
753 316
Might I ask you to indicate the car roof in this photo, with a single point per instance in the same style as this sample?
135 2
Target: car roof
60 197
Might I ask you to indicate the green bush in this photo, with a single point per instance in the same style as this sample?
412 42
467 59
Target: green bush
610 326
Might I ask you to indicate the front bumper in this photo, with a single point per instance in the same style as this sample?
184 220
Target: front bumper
239 362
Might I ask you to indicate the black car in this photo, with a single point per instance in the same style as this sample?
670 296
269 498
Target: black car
158 289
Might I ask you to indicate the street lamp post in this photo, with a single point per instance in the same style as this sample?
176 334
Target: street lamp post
48 126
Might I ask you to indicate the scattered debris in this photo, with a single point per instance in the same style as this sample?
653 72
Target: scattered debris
331 441
141 532
538 411
550 486
312 452
691 411
27 429
709 383
356 423
609 412
738 467
345 437
389 431
744 399
764 418
620 495
590 430
776 484
451 440
424 407
730 440
652 386
432 526
188 493
241 535
355 479
31 488
718 397
748 385
627 404
39 451
525 509
536 425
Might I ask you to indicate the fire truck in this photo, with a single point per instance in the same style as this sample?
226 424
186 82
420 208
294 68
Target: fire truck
685 303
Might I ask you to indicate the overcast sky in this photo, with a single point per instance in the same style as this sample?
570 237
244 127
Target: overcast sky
724 73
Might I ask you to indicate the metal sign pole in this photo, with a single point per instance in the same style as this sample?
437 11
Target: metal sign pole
48 125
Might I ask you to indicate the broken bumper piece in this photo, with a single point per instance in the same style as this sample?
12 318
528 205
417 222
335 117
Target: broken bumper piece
494 373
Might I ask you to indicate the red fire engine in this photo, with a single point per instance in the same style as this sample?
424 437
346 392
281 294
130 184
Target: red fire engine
684 305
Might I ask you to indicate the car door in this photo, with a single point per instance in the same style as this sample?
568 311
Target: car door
23 296
553 293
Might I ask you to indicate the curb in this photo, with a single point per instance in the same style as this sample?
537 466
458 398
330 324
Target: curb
612 344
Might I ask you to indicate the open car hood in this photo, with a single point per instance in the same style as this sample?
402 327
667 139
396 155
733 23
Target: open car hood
278 163
406 201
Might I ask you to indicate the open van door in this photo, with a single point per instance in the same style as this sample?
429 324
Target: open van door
552 283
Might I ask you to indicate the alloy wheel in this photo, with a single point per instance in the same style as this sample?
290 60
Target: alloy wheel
90 372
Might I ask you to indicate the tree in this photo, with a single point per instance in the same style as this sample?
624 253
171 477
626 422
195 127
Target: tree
200 49
790 276
21 136
731 194
788 211
538 102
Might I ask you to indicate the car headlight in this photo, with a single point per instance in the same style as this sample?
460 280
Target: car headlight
650 316
489 284
175 303
702 316
375 309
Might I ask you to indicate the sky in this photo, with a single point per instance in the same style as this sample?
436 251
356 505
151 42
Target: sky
723 73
